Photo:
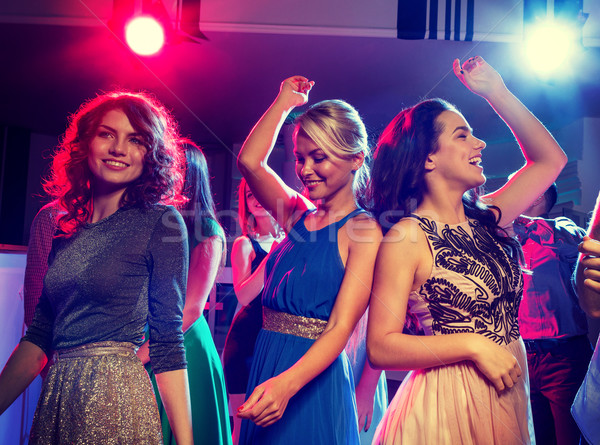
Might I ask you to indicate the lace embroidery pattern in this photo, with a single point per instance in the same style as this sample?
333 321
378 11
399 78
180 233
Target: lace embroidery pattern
474 286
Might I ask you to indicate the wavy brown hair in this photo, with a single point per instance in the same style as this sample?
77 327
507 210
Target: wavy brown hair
162 177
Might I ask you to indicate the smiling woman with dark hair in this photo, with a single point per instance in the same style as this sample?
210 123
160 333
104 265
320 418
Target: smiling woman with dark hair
446 261
118 262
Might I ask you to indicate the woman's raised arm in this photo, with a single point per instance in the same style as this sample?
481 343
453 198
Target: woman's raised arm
270 190
544 157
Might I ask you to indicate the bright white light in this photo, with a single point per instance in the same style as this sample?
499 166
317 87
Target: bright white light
144 35
550 46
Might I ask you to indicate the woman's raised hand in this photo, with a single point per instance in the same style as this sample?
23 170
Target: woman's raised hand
497 364
294 91
478 76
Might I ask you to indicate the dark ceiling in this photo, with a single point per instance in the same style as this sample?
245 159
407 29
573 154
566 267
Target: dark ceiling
218 89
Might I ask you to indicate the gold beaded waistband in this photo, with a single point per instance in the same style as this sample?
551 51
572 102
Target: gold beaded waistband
297 325
98 348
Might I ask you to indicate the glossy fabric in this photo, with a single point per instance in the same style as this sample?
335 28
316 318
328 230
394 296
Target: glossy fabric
97 394
208 396
455 404
304 275
110 278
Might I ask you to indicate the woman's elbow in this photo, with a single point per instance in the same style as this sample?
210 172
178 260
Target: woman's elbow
374 355
556 159
243 164
243 298
553 160
562 160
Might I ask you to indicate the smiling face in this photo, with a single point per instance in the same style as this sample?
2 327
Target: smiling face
458 156
252 203
323 175
116 153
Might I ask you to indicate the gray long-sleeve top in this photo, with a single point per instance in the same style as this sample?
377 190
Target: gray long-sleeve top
110 278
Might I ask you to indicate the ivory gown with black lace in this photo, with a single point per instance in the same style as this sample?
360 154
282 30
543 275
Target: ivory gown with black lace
474 287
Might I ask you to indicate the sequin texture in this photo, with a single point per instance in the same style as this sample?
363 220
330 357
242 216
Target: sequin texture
97 393
297 325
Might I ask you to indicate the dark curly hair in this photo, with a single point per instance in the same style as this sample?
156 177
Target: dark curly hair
162 177
398 183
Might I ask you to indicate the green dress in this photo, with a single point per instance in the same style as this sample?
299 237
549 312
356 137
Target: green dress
210 414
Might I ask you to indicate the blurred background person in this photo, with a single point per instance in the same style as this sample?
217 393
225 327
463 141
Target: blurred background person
552 324
587 282
260 233
206 239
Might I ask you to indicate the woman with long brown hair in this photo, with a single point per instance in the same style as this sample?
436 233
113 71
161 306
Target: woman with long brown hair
119 260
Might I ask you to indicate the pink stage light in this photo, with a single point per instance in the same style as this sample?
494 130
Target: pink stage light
144 35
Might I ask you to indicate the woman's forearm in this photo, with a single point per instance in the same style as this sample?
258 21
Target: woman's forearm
398 351
588 288
535 140
247 290
320 355
262 138
268 188
368 379
175 396
24 364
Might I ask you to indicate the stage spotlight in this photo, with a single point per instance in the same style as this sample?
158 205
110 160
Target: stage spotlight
551 45
146 25
144 35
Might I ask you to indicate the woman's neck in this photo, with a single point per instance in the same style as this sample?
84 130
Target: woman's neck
442 209
105 204
442 201
340 203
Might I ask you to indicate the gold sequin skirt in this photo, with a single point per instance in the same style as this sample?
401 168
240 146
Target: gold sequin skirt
97 393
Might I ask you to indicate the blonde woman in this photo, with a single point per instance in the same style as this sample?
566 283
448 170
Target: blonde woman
317 280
